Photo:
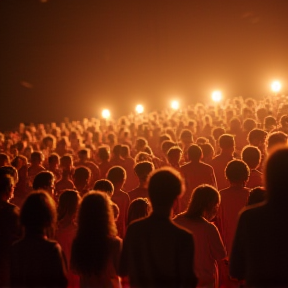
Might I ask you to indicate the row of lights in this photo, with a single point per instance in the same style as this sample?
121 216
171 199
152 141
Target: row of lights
216 97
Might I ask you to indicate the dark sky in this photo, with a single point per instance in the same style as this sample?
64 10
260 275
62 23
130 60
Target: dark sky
74 57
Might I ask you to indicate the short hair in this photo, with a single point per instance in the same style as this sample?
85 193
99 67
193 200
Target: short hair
103 153
251 155
166 145
54 157
202 198
269 121
194 152
43 180
125 151
217 132
186 135
226 141
82 174
256 195
116 174
174 151
276 139
143 169
237 171
201 140
207 150
164 186
117 150
36 156
284 120
141 142
249 124
66 160
143 156
83 153
6 183
138 209
164 137
38 212
104 185
10 170
4 158
68 203
255 136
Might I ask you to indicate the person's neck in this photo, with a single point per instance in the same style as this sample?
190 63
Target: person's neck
237 185
162 212
142 184
227 153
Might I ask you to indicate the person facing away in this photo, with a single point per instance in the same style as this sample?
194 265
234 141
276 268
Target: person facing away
138 208
142 170
195 173
219 163
67 209
156 252
260 252
10 230
117 176
233 199
35 260
45 181
96 248
81 179
209 247
251 155
35 166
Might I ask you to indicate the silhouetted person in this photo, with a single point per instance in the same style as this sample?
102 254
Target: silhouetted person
104 161
35 260
156 252
138 209
53 166
81 179
36 166
260 251
256 195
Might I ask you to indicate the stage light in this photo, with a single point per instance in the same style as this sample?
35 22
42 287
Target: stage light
139 109
216 96
175 105
105 113
276 86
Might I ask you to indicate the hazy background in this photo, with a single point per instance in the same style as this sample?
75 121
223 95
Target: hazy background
74 57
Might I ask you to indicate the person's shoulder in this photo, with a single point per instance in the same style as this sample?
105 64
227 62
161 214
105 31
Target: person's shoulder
206 166
252 210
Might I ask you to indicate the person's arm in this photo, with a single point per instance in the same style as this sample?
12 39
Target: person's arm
217 247
186 262
237 259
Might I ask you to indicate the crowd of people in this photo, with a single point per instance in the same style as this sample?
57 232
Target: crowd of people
188 198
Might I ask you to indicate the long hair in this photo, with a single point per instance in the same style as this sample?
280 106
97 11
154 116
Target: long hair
68 203
90 248
203 197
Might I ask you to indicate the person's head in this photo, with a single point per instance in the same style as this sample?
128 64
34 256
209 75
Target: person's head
117 175
38 212
204 202
186 136
125 151
269 123
251 155
138 209
256 195
69 201
276 140
143 156
275 177
6 186
227 143
90 248
53 160
284 121
117 150
174 155
166 145
249 124
44 180
10 170
83 154
82 175
37 157
217 132
235 125
103 153
4 159
140 144
237 172
66 162
164 186
208 152
19 161
143 169
104 185
194 153
201 140
256 137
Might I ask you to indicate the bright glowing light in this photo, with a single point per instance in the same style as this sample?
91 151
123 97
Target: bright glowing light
175 105
216 96
139 109
276 86
105 113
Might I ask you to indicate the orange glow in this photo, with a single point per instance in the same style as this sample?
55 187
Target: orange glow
105 113
216 96
276 86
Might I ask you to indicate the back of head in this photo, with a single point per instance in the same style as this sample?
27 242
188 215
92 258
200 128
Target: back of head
10 170
43 180
116 175
66 162
53 159
226 142
217 132
275 177
6 185
4 159
249 124
69 201
276 140
143 169
103 153
166 145
38 212
36 157
174 153
203 198
138 209
194 153
83 154
117 150
186 136
82 174
164 186
125 151
256 195
140 144
256 136
237 171
104 185
251 155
